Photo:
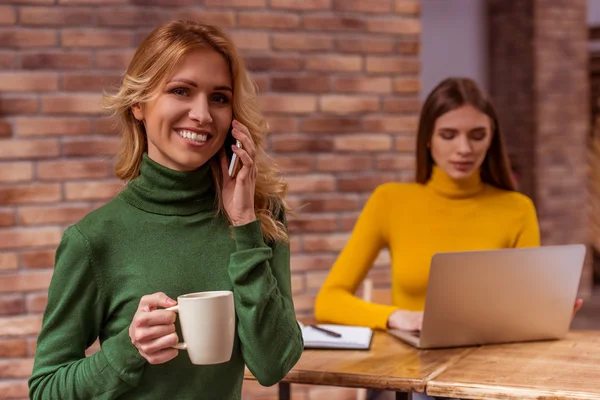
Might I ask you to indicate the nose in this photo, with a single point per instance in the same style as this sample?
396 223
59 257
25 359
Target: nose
200 112
464 145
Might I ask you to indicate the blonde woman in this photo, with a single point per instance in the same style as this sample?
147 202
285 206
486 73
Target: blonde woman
181 225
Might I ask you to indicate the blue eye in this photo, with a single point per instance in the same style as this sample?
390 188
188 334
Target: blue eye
219 98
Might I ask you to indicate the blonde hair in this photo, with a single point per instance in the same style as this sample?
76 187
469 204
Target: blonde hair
152 63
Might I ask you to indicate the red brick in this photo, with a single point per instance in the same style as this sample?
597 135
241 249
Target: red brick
331 124
38 259
11 304
14 389
12 369
398 105
361 6
8 59
31 346
310 183
365 45
56 16
28 38
341 104
5 128
13 348
405 144
313 223
406 124
83 38
294 163
7 218
342 162
72 104
223 19
8 261
392 65
8 15
394 26
118 59
273 63
19 238
304 302
92 2
334 23
407 85
56 60
16 172
302 42
236 3
303 5
92 190
36 302
28 82
248 40
265 20
333 63
15 149
20 326
51 126
107 126
316 279
12 105
303 83
363 183
408 47
293 104
23 194
91 147
87 82
329 203
363 142
298 285
131 17
282 124
324 243
395 162
311 263
170 3
66 170
25 282
363 85
299 144
408 7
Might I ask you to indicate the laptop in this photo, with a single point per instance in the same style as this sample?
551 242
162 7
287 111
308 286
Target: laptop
499 296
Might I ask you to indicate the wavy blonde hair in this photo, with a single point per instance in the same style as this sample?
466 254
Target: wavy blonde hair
152 63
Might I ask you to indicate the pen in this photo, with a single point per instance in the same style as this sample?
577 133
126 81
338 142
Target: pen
327 331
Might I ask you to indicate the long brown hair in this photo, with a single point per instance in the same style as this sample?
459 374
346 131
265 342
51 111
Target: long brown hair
449 95
152 63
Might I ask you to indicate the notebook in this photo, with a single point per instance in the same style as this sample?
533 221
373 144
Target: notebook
353 337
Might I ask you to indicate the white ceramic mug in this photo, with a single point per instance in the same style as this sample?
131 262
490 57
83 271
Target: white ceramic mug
207 322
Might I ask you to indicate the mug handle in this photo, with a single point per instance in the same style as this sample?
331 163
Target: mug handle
180 345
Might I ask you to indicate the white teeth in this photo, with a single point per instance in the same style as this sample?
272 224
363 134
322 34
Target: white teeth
193 136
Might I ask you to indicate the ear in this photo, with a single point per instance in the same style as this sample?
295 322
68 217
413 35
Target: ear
138 112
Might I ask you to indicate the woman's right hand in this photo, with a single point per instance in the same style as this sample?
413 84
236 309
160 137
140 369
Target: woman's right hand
406 320
152 331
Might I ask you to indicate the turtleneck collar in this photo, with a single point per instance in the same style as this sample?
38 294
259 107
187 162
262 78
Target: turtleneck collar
443 184
161 190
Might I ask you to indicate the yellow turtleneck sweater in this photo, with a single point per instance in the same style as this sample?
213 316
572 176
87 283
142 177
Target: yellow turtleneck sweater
414 222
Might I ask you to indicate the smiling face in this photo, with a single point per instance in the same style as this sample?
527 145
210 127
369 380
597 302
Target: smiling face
460 141
187 123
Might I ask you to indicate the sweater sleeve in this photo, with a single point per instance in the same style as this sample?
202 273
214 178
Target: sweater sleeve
271 339
336 301
72 321
529 231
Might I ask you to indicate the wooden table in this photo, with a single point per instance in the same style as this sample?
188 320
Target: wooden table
564 369
388 365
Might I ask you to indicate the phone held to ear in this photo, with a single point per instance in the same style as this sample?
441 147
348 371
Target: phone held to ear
234 161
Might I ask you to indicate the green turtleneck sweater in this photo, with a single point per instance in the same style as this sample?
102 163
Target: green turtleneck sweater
161 234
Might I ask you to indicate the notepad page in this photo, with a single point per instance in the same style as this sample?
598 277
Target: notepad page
353 337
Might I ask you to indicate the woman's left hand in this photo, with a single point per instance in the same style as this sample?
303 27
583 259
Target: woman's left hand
238 192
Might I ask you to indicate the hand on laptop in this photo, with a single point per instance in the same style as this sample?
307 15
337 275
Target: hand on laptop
406 320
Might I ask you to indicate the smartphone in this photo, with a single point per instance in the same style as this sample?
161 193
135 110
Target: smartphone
234 161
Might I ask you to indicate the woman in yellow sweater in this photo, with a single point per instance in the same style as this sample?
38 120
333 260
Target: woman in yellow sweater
464 199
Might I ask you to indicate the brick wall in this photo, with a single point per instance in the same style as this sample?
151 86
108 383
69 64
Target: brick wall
594 154
539 81
339 82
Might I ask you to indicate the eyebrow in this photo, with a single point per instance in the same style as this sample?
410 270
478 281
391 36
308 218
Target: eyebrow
193 84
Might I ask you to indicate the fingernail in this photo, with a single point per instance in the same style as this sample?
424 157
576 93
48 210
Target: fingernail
171 301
